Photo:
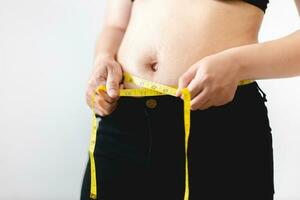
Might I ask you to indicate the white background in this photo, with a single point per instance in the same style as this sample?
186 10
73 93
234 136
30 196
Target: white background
46 51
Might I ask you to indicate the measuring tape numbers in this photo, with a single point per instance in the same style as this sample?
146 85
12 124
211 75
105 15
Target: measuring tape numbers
148 88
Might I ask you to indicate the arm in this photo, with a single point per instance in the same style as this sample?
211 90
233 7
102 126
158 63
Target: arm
114 26
107 71
273 59
213 80
298 6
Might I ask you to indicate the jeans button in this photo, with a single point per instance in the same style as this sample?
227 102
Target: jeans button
151 103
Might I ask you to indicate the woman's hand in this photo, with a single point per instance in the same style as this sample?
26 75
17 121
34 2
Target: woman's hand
106 72
212 81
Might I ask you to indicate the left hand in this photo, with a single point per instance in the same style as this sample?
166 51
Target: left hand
212 81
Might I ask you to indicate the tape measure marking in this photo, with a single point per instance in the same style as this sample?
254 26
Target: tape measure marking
149 88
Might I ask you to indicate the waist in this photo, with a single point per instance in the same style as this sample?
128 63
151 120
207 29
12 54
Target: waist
160 47
170 104
150 88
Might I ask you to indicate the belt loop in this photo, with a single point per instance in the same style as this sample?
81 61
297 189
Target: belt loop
264 94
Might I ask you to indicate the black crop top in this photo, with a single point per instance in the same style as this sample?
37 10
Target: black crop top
262 4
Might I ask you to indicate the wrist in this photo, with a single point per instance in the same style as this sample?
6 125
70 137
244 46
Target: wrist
103 56
239 62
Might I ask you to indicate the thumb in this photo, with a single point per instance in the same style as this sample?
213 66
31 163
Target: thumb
112 82
185 79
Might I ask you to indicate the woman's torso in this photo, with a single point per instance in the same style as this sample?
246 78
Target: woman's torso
164 38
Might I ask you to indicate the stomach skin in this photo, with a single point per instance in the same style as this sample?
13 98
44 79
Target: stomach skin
164 38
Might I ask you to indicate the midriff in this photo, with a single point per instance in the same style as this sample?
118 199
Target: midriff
164 38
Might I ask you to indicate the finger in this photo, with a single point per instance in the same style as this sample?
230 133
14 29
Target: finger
94 83
200 100
97 78
195 87
185 79
97 111
207 105
102 105
88 98
113 80
105 112
98 97
107 98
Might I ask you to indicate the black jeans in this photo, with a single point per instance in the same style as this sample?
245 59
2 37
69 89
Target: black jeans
139 151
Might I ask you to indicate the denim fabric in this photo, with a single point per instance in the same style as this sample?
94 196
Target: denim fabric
139 151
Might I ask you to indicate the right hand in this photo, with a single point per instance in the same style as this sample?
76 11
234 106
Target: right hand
106 72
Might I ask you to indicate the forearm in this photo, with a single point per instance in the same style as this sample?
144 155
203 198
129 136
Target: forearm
298 6
273 59
109 41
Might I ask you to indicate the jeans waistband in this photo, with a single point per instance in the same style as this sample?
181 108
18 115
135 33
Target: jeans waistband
131 105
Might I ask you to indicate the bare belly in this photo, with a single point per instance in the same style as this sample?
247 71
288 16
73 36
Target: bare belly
164 38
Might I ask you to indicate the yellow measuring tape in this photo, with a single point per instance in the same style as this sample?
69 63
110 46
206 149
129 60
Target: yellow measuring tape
148 88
